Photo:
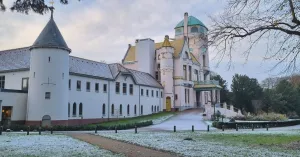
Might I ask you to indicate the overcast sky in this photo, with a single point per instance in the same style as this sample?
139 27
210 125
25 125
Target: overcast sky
102 29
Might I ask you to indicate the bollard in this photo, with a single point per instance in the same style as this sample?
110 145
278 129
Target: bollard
96 129
28 128
40 131
51 130
252 127
192 128
222 127
174 128
116 131
207 128
236 127
135 129
267 127
1 129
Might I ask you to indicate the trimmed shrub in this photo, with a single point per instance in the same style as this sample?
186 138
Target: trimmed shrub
248 125
262 117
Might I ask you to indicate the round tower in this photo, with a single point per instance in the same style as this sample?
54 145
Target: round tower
167 69
48 78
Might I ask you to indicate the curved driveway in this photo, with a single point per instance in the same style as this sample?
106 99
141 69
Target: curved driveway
183 121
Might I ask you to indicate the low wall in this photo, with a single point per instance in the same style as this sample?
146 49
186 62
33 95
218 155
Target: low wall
226 110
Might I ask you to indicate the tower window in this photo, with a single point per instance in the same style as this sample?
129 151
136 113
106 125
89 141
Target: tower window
33 74
194 29
204 63
63 75
49 59
47 95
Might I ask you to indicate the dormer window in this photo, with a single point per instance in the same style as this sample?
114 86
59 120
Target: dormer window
186 55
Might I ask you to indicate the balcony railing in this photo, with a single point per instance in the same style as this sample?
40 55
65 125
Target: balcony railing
207 82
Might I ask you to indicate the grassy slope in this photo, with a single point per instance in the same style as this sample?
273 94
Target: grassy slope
124 121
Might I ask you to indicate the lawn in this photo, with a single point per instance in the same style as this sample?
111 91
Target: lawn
230 143
21 145
156 118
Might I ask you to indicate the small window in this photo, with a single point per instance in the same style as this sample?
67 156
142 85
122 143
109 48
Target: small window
128 109
47 95
74 109
70 84
80 109
157 94
152 93
104 88
117 87
131 89
25 84
142 92
112 109
103 109
147 92
194 29
78 85
124 88
88 86
49 59
2 82
121 109
97 87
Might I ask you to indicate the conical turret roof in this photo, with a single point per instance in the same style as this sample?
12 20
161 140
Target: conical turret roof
166 42
51 37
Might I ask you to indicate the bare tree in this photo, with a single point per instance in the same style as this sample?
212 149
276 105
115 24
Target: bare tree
274 22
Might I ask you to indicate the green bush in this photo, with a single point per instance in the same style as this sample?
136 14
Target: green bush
262 117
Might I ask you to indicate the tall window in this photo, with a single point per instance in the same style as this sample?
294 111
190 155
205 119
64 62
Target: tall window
112 109
157 94
157 108
152 93
204 62
188 95
78 85
117 87
147 92
141 109
152 108
88 86
97 87
69 84
104 88
124 88
25 84
176 96
185 95
69 108
134 109
196 73
142 92
131 89
80 109
161 95
156 75
206 97
74 110
128 109
103 109
190 73
121 109
184 72
2 81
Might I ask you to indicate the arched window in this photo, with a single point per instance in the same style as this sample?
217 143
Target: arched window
120 109
194 29
103 109
157 108
141 109
152 108
80 109
134 109
112 109
128 109
69 110
74 109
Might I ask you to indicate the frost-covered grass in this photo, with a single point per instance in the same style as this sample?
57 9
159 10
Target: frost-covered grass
217 143
20 145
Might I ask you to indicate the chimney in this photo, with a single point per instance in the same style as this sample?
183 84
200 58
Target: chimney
185 24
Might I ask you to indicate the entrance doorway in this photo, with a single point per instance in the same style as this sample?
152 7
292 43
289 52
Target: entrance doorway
168 104
6 115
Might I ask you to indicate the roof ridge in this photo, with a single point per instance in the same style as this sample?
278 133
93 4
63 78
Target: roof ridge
15 49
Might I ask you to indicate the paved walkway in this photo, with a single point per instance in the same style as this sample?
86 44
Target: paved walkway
183 121
127 149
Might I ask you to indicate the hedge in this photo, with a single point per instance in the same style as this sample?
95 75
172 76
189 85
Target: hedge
79 127
248 125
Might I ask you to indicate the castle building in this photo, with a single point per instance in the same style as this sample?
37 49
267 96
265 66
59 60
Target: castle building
44 85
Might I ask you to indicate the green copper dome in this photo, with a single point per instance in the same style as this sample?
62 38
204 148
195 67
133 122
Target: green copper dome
191 22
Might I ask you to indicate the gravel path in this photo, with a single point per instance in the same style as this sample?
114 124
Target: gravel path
127 149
